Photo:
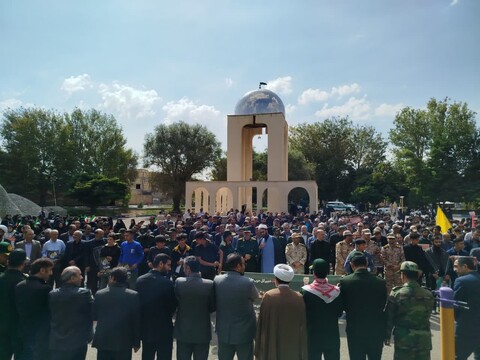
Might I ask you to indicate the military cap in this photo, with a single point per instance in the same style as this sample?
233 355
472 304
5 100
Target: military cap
296 235
347 233
17 257
5 248
247 229
390 236
409 266
357 254
320 268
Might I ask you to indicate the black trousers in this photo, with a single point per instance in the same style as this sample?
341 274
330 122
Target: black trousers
9 346
360 347
186 350
465 346
72 354
243 351
162 348
316 350
92 280
125 354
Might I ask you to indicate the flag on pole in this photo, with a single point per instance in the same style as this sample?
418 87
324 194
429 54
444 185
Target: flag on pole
442 220
472 215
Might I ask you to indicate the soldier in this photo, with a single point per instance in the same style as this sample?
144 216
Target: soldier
5 249
296 254
408 311
374 250
248 248
392 256
342 249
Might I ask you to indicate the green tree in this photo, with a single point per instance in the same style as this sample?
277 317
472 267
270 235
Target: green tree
45 149
219 169
99 145
96 190
437 150
179 151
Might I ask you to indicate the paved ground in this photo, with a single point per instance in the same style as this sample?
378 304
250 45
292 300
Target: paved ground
387 350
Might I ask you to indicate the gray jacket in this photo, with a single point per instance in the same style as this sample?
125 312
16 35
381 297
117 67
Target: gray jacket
235 294
196 300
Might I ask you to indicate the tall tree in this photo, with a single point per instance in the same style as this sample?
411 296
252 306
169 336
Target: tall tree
45 149
179 151
436 149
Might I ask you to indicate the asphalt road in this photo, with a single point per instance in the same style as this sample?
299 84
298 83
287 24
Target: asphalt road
387 350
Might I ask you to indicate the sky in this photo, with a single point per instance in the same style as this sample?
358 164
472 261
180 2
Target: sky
159 62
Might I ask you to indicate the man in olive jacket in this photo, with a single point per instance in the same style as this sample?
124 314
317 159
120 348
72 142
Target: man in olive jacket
364 296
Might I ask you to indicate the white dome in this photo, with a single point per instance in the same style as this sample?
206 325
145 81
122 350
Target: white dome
260 101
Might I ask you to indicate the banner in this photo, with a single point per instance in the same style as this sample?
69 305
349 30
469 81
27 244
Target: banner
472 215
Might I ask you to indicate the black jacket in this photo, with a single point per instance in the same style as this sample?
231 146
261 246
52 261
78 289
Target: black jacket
158 304
32 305
117 312
70 317
9 321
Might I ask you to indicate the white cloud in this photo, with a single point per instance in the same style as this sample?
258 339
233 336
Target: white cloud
190 112
313 95
281 85
76 83
388 110
290 108
127 101
358 109
229 82
10 104
318 95
345 90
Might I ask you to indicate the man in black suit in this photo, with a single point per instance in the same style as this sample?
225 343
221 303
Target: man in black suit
467 289
70 317
364 296
92 257
31 298
76 252
196 300
158 304
116 307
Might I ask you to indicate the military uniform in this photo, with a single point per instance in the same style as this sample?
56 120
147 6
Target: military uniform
249 247
296 253
374 250
392 256
408 313
342 249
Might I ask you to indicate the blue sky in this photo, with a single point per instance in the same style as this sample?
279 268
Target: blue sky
153 62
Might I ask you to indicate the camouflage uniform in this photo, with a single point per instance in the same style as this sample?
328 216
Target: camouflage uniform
392 256
408 313
374 250
342 249
295 253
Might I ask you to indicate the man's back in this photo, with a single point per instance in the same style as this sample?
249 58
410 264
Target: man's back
70 317
467 288
364 296
196 300
158 304
235 294
116 308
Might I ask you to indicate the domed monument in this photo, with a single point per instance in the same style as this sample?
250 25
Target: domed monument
261 101
255 111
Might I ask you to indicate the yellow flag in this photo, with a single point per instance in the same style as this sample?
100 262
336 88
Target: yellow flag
442 220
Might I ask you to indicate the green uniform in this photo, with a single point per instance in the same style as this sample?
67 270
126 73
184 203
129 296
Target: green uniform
249 247
408 315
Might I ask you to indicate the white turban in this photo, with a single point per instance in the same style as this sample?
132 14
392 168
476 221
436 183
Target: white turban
283 272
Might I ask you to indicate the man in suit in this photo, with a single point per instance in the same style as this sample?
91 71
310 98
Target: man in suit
116 307
31 298
70 317
235 324
76 252
68 236
196 300
364 296
32 248
467 289
10 342
158 304
92 257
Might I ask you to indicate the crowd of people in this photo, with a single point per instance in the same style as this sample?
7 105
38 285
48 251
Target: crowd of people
144 274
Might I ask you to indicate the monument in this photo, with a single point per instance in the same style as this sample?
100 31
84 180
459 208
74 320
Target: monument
255 112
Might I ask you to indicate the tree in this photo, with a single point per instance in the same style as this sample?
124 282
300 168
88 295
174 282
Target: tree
95 190
219 169
45 149
179 151
99 145
437 150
